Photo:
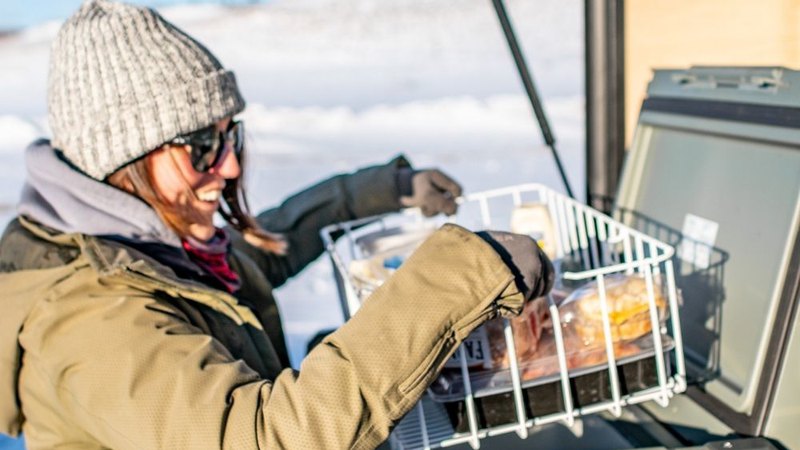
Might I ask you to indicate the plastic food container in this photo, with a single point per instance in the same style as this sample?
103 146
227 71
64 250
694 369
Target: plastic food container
581 333
627 300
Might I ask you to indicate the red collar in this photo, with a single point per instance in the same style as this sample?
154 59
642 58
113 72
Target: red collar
212 257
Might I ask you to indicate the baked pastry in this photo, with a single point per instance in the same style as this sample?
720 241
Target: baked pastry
628 309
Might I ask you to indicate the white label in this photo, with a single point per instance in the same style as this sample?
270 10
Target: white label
699 235
476 349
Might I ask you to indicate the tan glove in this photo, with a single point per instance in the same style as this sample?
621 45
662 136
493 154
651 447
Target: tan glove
430 190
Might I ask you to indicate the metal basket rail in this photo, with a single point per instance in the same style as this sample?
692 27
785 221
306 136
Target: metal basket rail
604 245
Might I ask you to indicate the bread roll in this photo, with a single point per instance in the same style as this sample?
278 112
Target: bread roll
628 309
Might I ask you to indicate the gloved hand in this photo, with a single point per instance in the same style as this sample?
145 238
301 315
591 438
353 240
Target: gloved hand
430 190
532 269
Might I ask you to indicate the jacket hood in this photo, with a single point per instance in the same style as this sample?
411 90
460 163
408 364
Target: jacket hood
61 197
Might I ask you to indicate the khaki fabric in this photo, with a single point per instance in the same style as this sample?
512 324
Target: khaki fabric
109 349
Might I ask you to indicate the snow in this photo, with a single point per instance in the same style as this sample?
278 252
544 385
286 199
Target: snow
336 85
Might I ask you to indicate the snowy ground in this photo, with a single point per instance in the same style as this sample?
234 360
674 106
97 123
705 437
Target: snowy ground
335 85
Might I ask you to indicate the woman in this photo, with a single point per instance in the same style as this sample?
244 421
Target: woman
131 321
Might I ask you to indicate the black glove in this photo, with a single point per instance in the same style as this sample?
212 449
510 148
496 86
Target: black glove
532 269
431 191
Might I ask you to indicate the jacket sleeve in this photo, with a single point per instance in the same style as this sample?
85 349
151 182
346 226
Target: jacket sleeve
177 388
367 192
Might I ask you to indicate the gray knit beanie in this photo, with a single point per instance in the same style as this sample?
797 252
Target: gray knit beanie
123 81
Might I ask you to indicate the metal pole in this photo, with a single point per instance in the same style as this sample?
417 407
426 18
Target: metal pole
605 100
530 88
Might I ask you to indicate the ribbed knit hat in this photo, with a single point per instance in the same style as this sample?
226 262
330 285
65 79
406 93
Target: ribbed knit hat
123 81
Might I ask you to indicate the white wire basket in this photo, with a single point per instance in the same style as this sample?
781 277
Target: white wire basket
586 247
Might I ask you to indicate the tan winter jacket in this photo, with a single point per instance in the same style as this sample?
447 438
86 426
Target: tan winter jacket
102 346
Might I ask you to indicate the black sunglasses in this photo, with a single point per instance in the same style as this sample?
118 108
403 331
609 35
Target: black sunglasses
208 144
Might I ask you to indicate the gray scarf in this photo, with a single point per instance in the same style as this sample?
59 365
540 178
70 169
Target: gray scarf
61 197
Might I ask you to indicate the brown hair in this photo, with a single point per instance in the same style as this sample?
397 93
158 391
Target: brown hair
136 178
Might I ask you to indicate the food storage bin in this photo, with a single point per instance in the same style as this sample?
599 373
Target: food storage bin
606 337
